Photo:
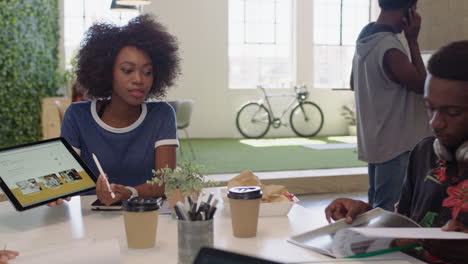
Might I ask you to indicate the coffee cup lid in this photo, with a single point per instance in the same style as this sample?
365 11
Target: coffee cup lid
139 204
245 193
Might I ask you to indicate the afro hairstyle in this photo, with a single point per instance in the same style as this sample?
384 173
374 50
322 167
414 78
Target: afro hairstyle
103 42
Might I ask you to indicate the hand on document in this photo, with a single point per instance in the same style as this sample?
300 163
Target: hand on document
6 255
453 251
345 208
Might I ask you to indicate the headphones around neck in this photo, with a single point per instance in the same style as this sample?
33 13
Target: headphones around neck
461 154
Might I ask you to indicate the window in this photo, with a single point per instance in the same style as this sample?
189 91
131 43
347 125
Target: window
79 15
337 23
260 43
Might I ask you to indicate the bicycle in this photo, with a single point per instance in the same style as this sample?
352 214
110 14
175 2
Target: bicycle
254 119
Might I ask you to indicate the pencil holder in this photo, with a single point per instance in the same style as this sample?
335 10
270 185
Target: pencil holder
193 235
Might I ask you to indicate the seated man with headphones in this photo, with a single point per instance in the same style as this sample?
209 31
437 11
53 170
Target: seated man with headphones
435 191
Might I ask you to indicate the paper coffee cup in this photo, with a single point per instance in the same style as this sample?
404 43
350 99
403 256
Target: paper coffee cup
141 222
244 203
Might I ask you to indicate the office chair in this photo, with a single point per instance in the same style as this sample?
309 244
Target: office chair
183 110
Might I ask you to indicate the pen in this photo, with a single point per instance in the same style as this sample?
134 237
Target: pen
384 251
212 209
159 201
209 198
178 213
187 204
183 212
103 174
193 209
202 216
196 211
199 200
189 199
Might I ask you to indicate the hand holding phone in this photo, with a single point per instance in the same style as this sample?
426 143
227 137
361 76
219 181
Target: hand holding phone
411 24
406 15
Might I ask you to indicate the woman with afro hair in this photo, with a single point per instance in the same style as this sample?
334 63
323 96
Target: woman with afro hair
119 68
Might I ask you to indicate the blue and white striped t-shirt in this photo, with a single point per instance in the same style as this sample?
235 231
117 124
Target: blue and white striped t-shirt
127 155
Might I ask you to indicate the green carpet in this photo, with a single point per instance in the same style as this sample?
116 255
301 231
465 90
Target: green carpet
273 154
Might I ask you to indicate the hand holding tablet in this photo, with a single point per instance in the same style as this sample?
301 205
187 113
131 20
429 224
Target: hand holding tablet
43 172
6 255
58 202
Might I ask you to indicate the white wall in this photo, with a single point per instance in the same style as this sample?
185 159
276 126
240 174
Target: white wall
447 18
201 27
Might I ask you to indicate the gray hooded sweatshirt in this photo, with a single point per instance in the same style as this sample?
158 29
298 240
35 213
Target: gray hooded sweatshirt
391 119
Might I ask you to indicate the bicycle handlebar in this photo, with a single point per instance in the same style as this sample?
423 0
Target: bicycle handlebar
300 88
297 88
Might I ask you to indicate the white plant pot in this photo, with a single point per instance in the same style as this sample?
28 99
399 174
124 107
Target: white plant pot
352 130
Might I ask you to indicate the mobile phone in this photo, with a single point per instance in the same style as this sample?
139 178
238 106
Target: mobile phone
406 14
117 206
98 206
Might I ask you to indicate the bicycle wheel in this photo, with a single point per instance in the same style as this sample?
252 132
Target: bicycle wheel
306 119
253 120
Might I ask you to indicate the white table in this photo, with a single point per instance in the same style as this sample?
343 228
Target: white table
44 226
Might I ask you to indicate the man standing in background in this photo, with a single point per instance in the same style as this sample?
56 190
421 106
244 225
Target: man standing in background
389 105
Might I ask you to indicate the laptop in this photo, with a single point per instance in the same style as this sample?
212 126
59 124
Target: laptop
38 173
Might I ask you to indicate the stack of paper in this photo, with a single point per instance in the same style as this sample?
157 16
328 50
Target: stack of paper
370 232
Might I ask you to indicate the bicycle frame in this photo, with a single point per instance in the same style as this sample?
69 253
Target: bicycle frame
254 118
298 98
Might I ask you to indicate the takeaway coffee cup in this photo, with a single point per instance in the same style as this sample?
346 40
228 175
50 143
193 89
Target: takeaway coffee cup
244 203
141 221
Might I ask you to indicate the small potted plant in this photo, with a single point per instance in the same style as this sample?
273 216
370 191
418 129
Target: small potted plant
186 180
349 113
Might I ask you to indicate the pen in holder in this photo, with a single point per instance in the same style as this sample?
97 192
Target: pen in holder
193 235
194 227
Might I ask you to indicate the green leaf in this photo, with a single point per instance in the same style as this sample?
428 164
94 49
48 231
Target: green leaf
187 178
28 66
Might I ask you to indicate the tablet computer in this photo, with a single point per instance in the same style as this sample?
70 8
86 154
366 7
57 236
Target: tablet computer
208 255
117 206
41 172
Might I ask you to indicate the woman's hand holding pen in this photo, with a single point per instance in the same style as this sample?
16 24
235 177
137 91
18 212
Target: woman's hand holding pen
6 255
106 193
105 196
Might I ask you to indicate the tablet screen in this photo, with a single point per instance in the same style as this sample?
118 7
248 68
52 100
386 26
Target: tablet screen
36 173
